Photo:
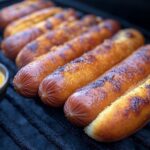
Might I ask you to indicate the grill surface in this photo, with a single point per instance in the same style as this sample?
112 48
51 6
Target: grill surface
28 124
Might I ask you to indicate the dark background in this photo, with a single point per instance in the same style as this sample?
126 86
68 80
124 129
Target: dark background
135 11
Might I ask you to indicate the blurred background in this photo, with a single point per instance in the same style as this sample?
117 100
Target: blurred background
135 11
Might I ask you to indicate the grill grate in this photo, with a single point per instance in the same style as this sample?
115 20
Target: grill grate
29 124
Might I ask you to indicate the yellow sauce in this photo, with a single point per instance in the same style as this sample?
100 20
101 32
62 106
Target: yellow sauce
2 78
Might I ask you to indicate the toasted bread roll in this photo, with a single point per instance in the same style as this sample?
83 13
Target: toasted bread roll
84 105
29 77
57 87
30 20
44 43
13 44
16 11
126 115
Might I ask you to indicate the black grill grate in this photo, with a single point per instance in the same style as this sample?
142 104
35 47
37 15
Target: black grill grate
28 124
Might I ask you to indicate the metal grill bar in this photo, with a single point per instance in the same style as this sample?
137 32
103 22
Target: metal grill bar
11 130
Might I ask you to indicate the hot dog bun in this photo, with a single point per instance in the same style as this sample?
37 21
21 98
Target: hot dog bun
123 117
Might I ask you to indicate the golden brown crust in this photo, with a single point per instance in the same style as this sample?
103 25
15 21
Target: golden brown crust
44 65
125 116
88 67
16 11
44 43
93 98
30 20
13 44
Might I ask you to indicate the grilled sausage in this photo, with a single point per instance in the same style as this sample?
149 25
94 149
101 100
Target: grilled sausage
16 11
126 115
13 44
30 20
58 86
84 105
54 38
29 77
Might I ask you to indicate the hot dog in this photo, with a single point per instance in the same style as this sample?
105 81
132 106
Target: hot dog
54 38
58 86
126 115
16 11
85 104
30 20
13 44
29 77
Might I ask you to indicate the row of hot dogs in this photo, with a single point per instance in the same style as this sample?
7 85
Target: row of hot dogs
97 71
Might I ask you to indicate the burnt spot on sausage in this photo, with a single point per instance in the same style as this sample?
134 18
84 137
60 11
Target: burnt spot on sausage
63 56
103 48
22 34
71 69
89 58
107 25
48 25
130 66
110 77
102 94
147 86
107 45
148 90
60 69
144 54
35 32
115 82
101 82
78 60
71 47
33 46
130 71
121 70
116 85
50 35
135 105
35 6
60 16
96 29
30 33
146 58
98 83
53 60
